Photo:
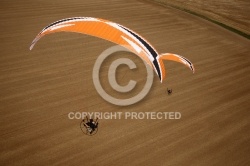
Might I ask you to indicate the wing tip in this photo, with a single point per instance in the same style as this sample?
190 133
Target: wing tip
34 42
192 68
31 46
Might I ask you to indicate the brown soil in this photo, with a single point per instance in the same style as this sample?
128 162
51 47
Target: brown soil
231 13
40 87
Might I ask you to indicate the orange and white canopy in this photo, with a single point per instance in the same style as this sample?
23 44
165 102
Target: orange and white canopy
117 34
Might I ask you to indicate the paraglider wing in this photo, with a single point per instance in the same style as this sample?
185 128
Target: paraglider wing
103 29
115 33
176 58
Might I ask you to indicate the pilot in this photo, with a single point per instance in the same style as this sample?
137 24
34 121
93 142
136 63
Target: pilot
169 91
92 125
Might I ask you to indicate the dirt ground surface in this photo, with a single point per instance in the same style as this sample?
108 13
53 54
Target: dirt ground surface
233 13
39 88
